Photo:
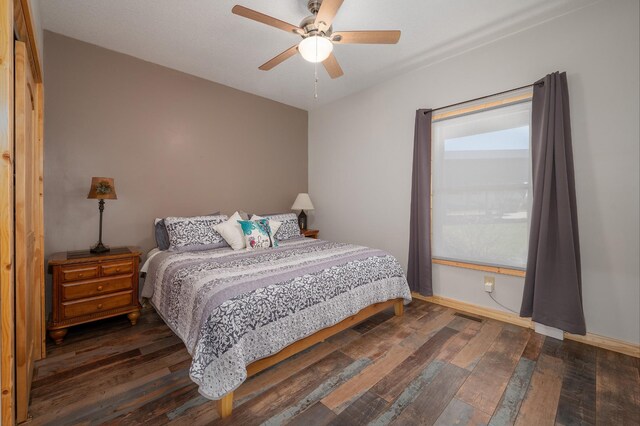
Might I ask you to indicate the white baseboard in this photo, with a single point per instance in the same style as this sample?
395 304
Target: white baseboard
604 342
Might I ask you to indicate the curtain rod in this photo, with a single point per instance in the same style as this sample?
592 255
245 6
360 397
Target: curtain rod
488 96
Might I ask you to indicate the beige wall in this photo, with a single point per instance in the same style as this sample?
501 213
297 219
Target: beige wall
34 6
360 154
175 144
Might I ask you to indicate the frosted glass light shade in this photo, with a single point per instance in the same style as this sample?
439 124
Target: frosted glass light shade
302 202
315 48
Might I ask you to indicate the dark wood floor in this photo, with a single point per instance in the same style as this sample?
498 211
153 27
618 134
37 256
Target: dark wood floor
431 366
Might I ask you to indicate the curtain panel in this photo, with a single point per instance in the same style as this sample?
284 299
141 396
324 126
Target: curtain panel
419 268
553 284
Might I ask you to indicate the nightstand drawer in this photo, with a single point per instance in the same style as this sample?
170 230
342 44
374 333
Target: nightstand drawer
96 305
82 290
79 272
117 268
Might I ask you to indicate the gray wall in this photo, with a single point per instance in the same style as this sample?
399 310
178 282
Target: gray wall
360 152
175 144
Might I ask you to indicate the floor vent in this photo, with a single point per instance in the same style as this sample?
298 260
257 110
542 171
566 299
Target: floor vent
469 317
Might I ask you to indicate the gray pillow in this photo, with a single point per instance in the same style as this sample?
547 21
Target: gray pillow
162 236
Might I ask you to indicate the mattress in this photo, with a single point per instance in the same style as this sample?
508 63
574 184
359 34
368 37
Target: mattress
231 308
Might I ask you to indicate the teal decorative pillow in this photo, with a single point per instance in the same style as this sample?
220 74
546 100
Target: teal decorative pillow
257 234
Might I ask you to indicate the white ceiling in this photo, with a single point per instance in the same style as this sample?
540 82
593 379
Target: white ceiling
203 37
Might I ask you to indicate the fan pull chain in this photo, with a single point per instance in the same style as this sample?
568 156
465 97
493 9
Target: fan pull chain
315 70
315 83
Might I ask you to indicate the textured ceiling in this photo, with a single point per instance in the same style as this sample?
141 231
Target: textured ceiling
203 37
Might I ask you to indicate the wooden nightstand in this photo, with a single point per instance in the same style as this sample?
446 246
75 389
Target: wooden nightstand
88 287
310 233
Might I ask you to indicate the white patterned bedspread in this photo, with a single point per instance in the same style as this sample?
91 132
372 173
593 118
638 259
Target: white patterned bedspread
232 308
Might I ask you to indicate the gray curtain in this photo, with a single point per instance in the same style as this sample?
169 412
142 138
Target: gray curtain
553 283
419 269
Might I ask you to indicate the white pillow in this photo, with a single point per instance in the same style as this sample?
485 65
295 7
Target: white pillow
273 224
231 231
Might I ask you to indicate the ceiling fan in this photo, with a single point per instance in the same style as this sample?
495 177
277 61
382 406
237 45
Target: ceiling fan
317 35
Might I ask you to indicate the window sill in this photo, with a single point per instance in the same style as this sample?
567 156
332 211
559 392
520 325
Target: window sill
485 268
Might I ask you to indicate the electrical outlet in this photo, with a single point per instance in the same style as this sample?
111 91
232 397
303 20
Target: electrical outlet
489 283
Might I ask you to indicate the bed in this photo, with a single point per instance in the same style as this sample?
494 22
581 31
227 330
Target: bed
239 312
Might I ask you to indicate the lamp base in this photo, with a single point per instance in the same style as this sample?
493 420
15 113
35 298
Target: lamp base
302 220
99 248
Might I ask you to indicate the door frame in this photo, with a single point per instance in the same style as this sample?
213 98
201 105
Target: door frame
16 23
7 285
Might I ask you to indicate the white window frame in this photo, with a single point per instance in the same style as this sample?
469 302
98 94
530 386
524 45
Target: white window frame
523 95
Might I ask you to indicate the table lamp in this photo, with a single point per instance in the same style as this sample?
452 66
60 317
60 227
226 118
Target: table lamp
102 188
302 203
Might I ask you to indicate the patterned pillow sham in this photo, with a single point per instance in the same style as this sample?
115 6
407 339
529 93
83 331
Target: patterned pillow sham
289 228
257 234
162 236
194 233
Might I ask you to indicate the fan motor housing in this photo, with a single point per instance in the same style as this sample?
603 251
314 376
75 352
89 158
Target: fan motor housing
310 29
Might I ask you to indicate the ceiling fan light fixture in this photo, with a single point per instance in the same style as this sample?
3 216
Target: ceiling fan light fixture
315 48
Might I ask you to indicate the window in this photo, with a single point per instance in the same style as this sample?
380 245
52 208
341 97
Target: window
481 184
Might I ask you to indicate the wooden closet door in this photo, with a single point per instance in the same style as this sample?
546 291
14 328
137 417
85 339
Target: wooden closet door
28 255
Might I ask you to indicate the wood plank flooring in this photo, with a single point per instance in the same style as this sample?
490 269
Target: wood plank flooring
430 366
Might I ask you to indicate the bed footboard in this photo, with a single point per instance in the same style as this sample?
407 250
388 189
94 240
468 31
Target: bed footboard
225 405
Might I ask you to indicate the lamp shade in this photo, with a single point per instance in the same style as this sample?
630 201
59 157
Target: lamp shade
303 202
102 188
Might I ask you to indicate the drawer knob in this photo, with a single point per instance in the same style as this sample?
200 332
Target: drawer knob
117 269
100 306
99 288
80 275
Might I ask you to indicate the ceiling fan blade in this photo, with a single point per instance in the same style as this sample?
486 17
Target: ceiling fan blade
280 58
366 37
332 66
265 19
327 12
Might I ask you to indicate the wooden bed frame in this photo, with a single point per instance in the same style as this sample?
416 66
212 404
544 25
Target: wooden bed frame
225 405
